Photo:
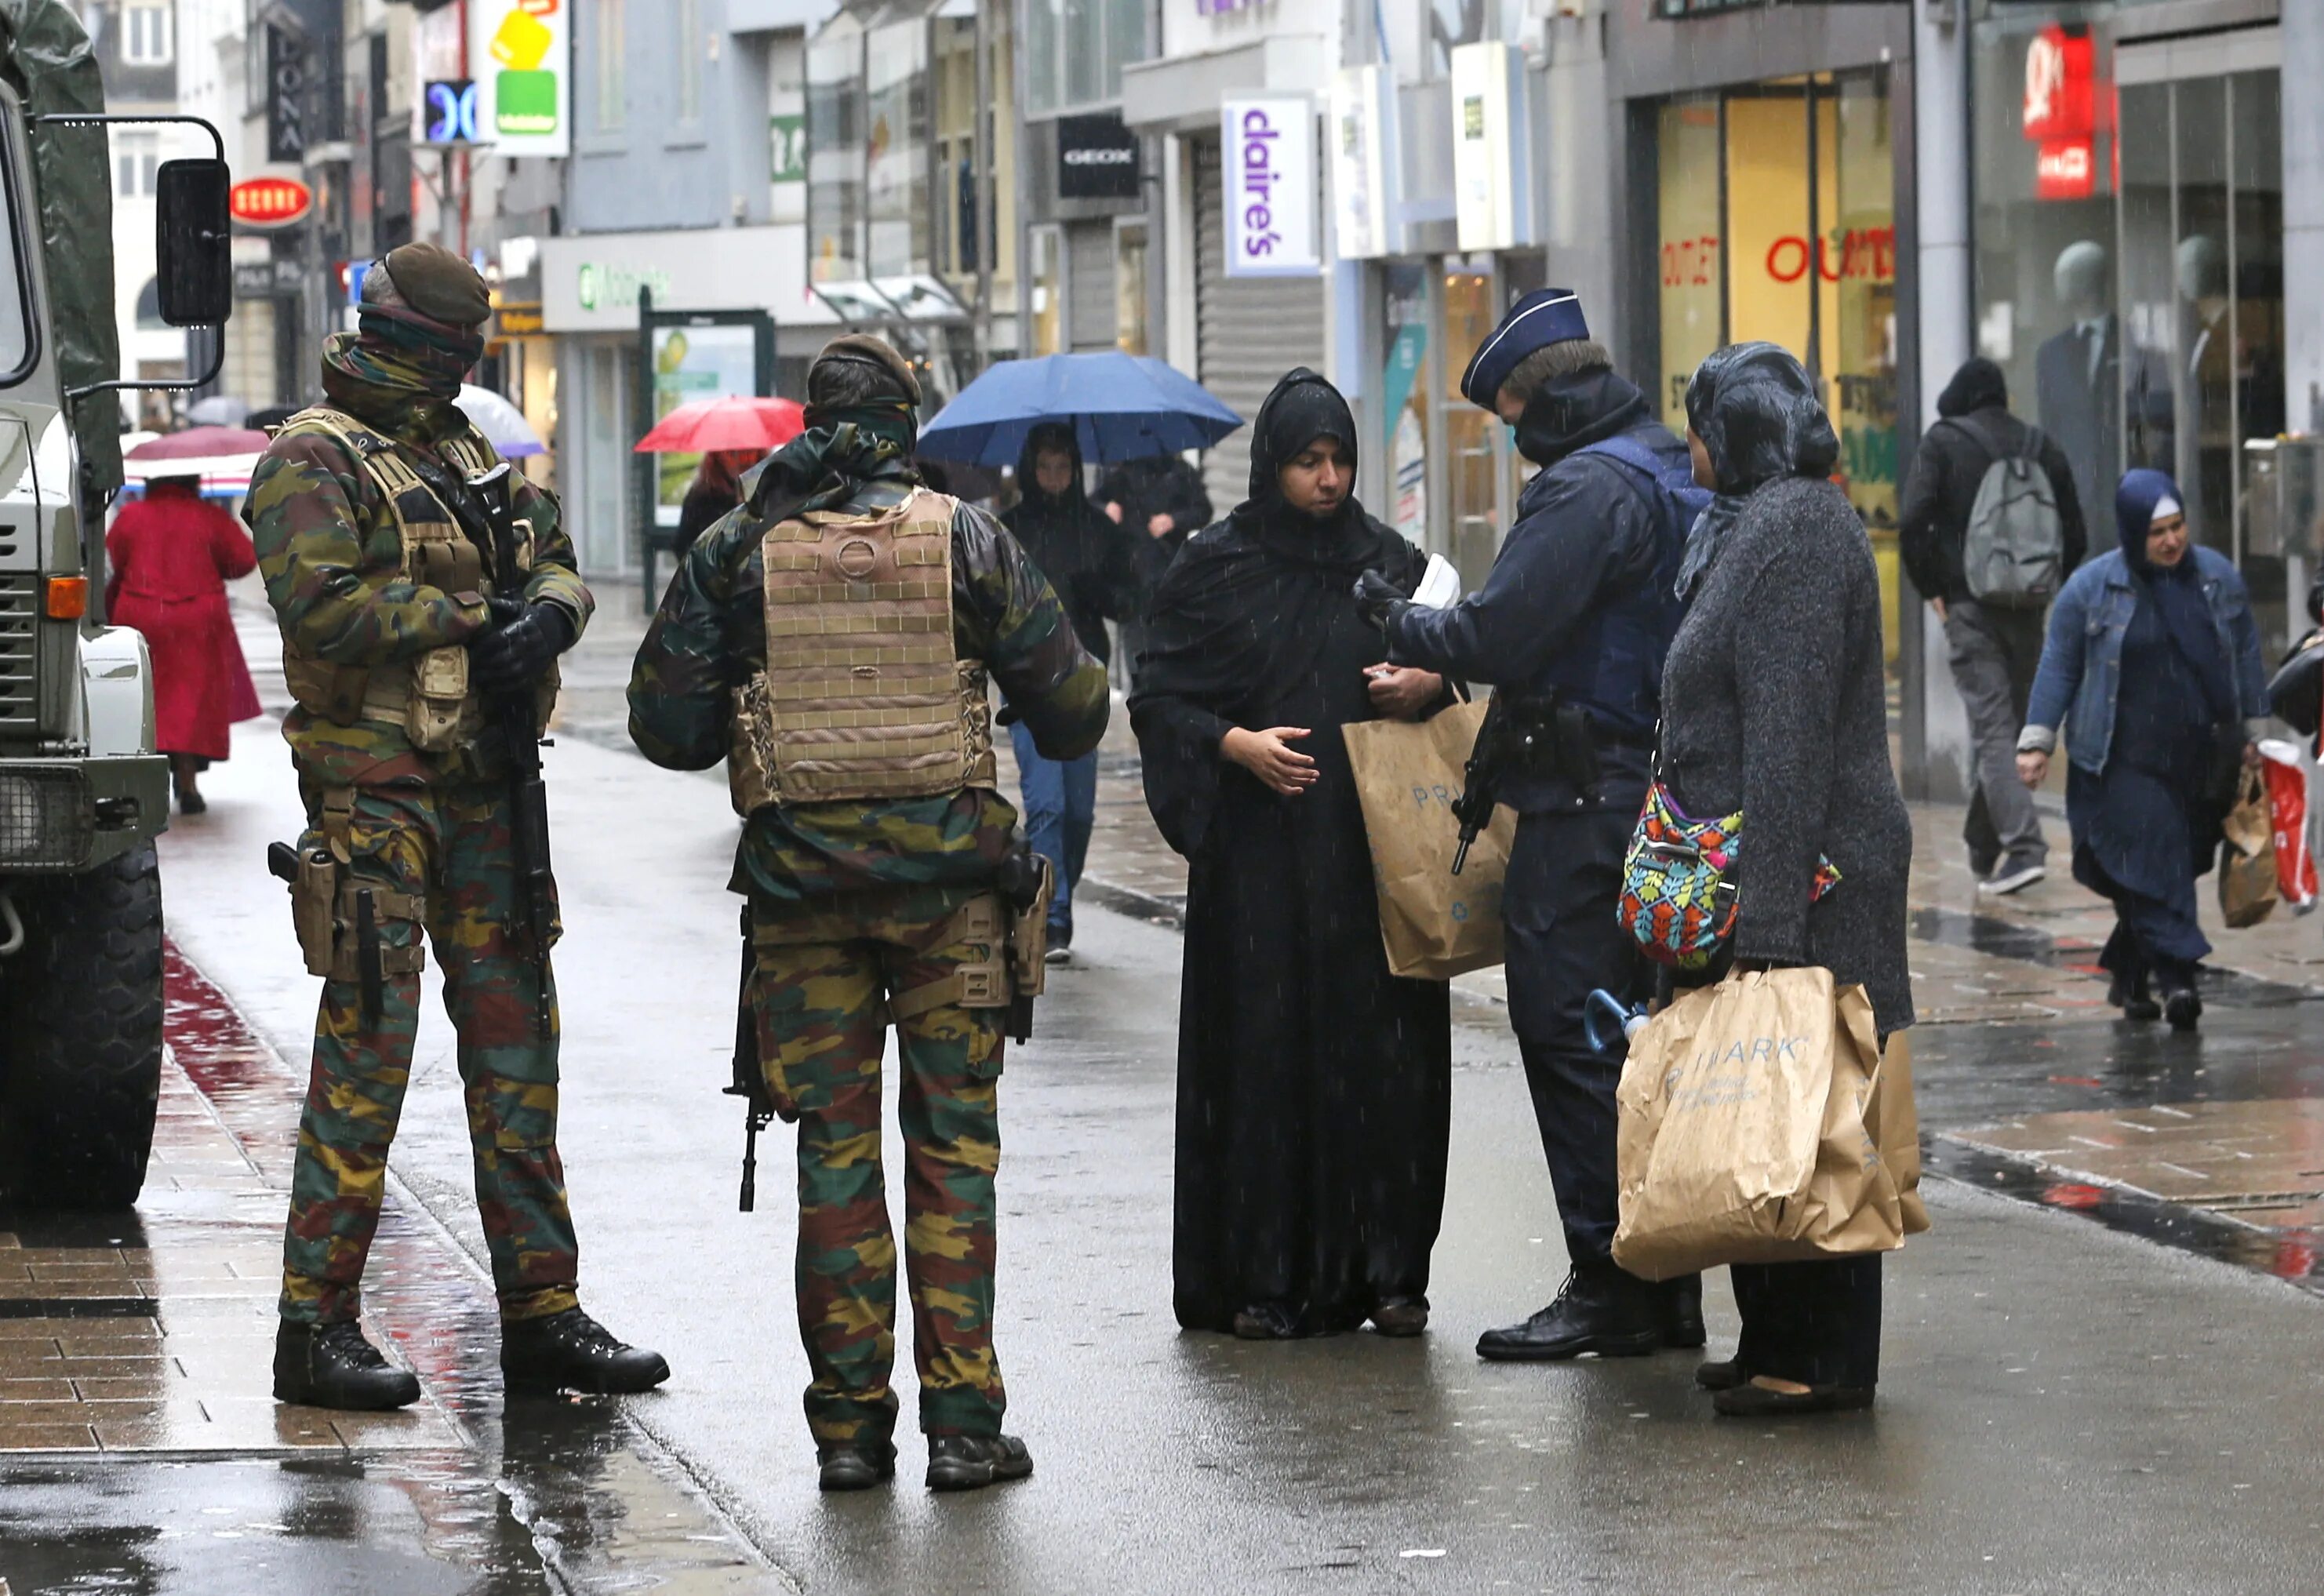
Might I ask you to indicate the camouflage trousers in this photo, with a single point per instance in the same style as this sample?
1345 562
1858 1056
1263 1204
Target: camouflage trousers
448 847
822 991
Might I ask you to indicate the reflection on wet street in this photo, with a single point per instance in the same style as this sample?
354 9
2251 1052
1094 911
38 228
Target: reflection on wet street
141 1449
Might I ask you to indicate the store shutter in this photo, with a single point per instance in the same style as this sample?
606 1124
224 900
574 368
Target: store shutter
1248 331
1089 287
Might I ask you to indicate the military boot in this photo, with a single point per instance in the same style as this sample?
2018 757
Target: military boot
333 1366
571 1351
971 1462
854 1465
1599 1309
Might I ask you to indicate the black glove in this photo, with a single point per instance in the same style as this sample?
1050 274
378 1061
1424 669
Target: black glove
1379 601
523 643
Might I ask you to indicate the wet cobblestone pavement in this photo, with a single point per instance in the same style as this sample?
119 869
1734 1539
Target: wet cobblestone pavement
147 1340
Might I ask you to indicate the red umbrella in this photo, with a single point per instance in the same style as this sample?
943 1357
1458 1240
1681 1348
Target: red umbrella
707 425
201 443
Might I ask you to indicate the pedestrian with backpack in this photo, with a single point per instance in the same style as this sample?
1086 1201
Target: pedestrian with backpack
1992 528
1571 628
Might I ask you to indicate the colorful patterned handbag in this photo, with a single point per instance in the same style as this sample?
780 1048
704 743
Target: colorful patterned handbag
1676 898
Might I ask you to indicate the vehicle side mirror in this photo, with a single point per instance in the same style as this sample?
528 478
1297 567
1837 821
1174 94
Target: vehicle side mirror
193 242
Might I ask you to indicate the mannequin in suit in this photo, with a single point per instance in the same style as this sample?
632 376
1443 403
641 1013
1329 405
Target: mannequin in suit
2077 373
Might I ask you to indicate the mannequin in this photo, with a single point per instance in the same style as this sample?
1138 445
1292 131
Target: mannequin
2078 372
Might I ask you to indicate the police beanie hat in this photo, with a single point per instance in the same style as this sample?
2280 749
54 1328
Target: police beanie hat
437 283
1546 315
867 350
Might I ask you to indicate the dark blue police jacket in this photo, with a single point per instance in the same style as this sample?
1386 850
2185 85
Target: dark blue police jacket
1580 600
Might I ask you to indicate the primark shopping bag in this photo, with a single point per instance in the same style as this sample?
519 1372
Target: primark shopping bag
1435 925
1750 1131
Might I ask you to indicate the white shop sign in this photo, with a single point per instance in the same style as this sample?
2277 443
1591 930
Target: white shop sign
1268 152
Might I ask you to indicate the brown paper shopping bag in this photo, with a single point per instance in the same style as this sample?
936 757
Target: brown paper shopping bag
1434 924
1895 1120
2247 885
1744 1134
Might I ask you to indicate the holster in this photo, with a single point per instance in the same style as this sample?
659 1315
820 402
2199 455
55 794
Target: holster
1029 935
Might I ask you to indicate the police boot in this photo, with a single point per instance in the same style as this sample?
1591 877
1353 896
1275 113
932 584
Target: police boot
1599 1309
571 1351
333 1366
971 1462
1682 1301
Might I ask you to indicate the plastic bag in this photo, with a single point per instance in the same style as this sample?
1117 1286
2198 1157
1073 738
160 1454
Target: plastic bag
2287 799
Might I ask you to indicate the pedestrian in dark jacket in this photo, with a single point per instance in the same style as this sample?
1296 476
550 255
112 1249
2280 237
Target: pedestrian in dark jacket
1775 705
713 492
2154 669
1993 650
1086 559
1160 502
1570 630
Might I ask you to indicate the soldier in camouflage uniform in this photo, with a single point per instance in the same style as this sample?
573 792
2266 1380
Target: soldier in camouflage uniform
394 634
869 857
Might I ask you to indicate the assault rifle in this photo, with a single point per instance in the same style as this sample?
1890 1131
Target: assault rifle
1481 777
487 511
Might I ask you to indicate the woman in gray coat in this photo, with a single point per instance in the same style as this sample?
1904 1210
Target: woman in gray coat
1774 704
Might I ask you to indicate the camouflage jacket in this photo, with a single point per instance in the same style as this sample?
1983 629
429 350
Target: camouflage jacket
332 558
916 854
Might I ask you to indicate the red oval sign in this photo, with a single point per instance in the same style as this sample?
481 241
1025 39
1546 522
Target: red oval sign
268 202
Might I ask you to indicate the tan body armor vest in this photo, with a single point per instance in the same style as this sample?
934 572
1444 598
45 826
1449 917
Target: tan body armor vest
863 696
427 696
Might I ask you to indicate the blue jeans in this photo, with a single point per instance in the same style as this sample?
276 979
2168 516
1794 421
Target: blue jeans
1060 804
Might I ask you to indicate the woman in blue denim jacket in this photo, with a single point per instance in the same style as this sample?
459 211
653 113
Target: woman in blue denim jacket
2153 663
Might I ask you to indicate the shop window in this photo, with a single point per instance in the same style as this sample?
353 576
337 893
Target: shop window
2129 270
1776 219
1074 51
1471 466
1129 287
896 107
1045 291
1404 392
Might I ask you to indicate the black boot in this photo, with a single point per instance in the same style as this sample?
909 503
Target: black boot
1682 1301
2183 1008
1599 1309
971 1462
855 1466
571 1351
333 1366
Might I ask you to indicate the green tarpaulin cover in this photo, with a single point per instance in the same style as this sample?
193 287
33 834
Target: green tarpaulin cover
45 57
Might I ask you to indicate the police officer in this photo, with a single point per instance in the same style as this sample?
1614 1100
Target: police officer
1571 628
833 639
397 627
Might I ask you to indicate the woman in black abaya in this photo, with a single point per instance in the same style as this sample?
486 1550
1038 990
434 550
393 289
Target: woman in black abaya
1314 1087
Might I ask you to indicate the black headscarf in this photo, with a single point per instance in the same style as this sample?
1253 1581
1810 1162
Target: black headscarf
1301 408
2177 590
1755 409
1978 385
1249 604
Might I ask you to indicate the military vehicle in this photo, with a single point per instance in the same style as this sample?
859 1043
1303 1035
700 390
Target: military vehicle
82 792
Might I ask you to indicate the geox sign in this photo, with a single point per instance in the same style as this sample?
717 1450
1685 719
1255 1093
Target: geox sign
1097 159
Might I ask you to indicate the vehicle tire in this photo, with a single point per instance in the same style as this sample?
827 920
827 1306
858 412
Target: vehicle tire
82 1071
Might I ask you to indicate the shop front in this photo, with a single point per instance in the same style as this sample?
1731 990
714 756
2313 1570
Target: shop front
591 286
1776 219
2129 256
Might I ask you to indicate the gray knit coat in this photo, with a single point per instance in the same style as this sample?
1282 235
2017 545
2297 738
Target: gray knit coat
1774 704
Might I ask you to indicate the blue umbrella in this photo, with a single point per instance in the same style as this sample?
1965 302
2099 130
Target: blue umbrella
1122 407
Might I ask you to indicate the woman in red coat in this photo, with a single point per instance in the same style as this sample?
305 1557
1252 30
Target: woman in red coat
170 555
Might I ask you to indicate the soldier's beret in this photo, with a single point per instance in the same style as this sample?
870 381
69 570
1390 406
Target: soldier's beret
873 351
1546 316
439 284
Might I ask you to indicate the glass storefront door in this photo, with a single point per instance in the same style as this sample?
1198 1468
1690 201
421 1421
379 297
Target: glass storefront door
1472 468
1777 222
2201 242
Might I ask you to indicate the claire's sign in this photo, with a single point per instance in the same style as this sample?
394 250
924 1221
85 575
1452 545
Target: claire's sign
1268 149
